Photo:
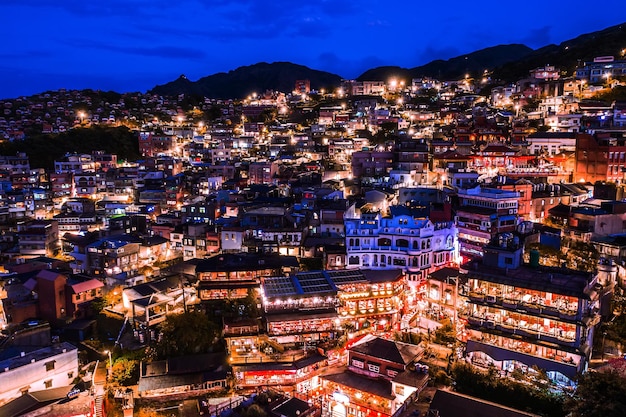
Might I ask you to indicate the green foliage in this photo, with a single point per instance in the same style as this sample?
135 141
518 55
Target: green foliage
439 376
445 334
125 371
489 386
531 105
98 305
581 256
408 337
254 410
108 326
615 328
615 94
242 307
186 334
43 149
387 131
601 394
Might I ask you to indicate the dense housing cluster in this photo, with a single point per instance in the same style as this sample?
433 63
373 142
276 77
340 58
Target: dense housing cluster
317 229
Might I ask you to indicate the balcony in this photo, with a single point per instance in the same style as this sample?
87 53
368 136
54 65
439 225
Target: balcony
476 296
530 331
560 307
502 349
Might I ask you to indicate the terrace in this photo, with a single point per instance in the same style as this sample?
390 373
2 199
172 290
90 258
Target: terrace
505 352
524 325
531 301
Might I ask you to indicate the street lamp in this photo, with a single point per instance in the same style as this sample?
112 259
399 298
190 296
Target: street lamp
108 352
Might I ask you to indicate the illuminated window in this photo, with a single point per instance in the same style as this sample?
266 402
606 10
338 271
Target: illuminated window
373 368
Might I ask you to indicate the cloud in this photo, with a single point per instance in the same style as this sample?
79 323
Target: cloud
160 51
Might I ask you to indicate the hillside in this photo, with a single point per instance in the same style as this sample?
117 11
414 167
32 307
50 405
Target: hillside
506 63
44 149
568 54
241 82
454 68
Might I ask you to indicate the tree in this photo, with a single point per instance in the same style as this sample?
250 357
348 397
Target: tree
601 394
445 334
125 371
243 307
254 410
186 334
491 387
44 149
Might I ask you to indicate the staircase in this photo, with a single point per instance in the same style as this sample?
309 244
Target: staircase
99 405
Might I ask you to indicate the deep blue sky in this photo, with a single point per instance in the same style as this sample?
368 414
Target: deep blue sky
132 45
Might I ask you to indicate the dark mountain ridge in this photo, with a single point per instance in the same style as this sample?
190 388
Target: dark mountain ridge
454 68
243 81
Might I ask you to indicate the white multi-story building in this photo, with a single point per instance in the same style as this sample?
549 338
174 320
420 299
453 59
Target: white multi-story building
416 245
551 143
75 163
49 367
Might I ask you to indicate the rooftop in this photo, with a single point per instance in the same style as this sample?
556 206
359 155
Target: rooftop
550 279
379 387
230 262
453 404
36 356
388 350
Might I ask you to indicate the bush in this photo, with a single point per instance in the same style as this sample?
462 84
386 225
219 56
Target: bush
439 376
125 372
490 387
445 334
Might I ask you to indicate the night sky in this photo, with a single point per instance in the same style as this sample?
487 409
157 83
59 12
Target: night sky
132 45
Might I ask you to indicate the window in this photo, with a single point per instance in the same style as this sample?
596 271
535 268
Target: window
358 364
399 390
48 384
508 261
50 366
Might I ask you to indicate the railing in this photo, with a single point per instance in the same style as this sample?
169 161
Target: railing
529 307
561 359
515 328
